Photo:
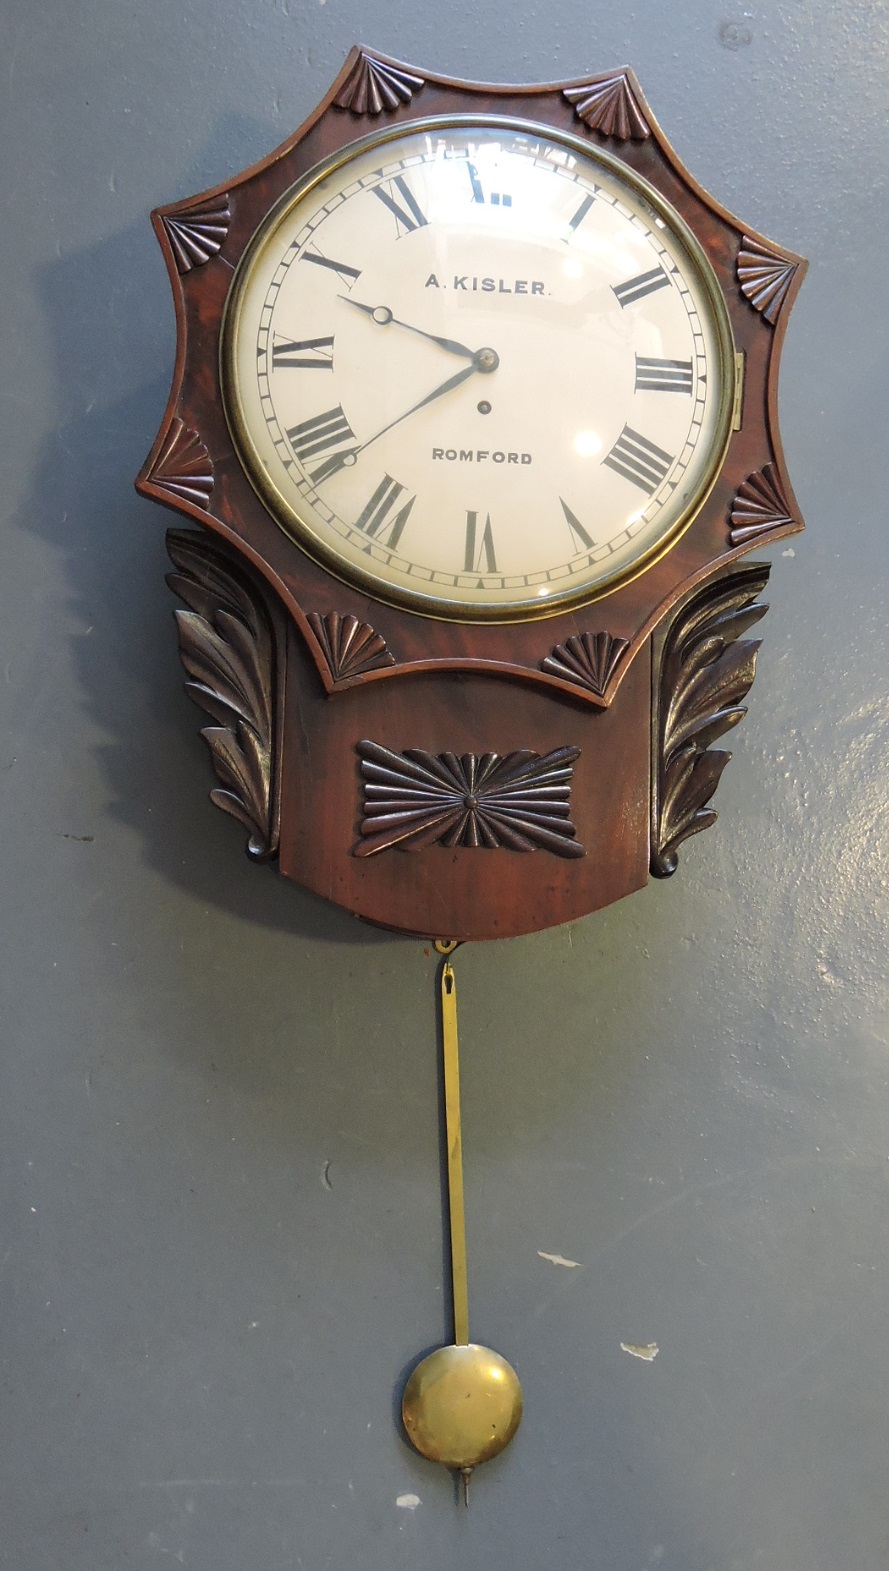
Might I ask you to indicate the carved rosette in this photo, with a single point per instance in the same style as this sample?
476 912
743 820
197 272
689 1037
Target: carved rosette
759 506
373 86
706 669
415 799
589 660
609 105
350 647
183 466
226 645
197 233
764 276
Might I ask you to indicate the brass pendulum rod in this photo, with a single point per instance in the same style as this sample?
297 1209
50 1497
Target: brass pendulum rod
456 1208
462 1403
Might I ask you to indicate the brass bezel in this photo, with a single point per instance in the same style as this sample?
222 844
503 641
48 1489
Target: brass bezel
321 551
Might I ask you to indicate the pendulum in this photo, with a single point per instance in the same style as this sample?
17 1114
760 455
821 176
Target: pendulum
463 1403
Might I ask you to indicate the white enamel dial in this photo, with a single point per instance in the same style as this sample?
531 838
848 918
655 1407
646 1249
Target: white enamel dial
478 368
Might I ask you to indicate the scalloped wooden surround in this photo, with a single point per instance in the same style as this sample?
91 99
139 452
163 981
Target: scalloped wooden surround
454 780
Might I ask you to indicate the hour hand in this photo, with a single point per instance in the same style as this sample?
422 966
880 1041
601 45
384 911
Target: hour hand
383 318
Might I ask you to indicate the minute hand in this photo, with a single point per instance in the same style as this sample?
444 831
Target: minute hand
446 387
483 360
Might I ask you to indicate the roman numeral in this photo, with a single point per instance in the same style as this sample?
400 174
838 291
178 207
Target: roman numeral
476 549
581 213
408 217
642 284
301 354
375 520
496 198
319 435
346 273
663 376
582 541
637 459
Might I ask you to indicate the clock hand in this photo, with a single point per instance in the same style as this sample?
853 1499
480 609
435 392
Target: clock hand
484 360
383 317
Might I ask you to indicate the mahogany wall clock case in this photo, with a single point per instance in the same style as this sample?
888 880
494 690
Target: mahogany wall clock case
475 407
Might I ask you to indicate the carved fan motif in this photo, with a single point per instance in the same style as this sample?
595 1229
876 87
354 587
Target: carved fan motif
705 672
373 86
610 106
227 650
764 276
197 233
415 798
349 646
760 505
589 660
183 465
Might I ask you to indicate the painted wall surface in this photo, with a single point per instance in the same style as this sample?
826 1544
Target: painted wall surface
221 1227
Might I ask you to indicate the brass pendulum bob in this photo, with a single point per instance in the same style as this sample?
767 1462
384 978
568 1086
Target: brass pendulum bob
462 1404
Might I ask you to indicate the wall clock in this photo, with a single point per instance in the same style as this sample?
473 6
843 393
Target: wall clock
475 406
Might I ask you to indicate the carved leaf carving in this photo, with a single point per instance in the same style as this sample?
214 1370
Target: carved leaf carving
349 646
706 670
183 465
588 660
372 86
609 105
415 798
197 233
764 276
227 650
759 505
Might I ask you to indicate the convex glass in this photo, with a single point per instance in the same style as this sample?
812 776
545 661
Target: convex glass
481 370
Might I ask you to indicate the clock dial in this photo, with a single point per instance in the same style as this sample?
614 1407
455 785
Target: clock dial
482 370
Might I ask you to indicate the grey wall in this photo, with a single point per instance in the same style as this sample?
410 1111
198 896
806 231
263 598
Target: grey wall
203 1323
